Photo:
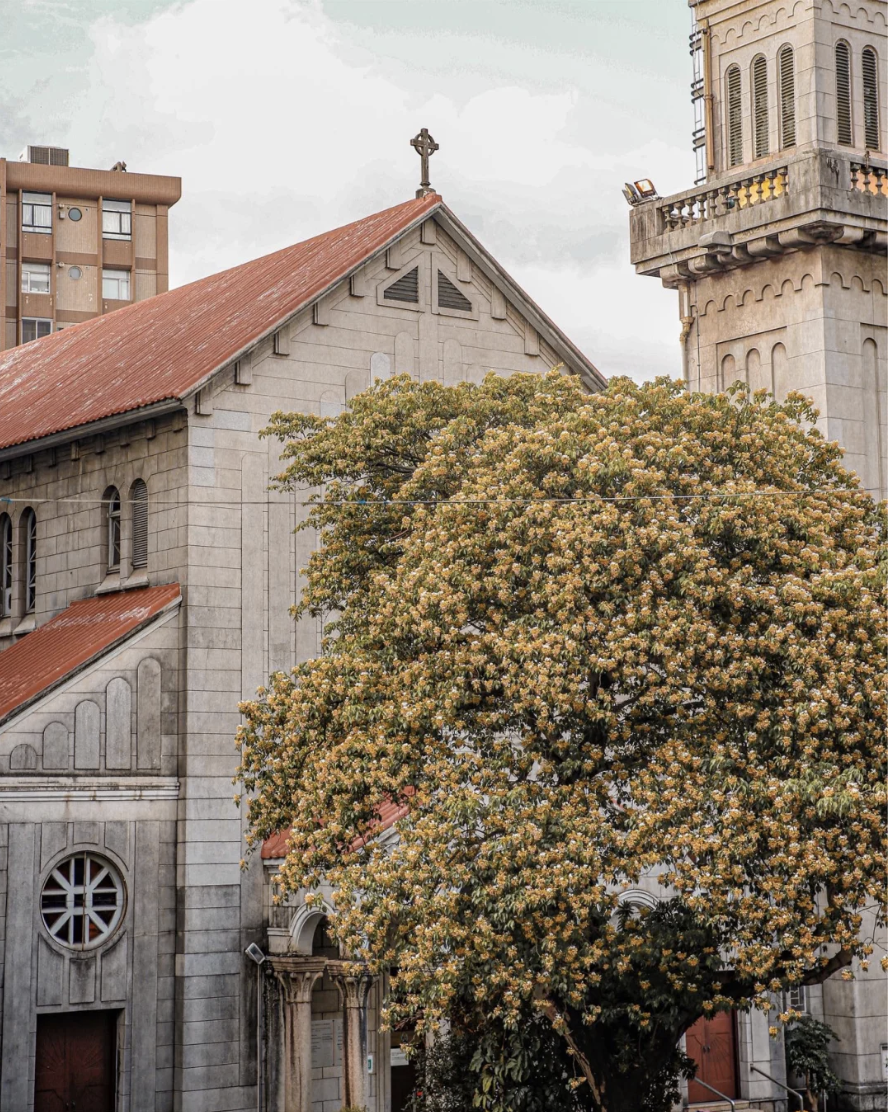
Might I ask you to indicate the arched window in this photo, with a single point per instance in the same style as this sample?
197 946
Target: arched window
786 67
869 65
112 524
760 107
734 116
139 498
28 529
5 565
843 94
323 944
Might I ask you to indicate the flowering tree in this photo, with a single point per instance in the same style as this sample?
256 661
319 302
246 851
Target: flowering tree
581 641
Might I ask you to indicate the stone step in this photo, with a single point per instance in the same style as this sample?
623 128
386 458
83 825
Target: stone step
721 1106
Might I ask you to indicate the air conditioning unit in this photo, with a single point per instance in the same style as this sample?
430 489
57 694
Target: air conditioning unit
45 156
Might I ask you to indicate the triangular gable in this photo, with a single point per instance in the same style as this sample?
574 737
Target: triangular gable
159 352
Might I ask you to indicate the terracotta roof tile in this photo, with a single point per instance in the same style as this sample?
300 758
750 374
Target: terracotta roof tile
164 347
87 629
276 846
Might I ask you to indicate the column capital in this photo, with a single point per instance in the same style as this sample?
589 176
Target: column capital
297 976
353 981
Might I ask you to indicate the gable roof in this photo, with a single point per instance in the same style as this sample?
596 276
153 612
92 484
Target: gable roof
42 660
154 353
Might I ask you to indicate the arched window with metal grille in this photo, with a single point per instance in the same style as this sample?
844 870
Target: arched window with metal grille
869 66
5 565
844 133
734 116
786 93
760 144
139 501
28 533
111 502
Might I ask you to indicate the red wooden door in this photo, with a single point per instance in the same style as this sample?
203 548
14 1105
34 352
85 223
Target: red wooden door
710 1042
75 1062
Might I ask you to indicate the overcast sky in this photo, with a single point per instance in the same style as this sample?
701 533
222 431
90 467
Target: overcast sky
288 117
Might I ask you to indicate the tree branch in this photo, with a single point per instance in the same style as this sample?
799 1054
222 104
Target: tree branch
841 960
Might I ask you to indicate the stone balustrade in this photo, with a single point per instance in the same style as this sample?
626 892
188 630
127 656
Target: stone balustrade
708 204
867 178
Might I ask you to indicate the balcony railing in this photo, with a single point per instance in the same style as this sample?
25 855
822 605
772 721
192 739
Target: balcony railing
710 203
869 179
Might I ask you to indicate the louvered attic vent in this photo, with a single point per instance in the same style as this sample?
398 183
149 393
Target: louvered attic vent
449 297
405 289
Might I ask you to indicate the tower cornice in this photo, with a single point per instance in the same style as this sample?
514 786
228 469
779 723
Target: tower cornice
807 200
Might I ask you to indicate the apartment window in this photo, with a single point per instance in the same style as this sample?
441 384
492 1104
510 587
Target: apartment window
5 565
869 65
112 524
37 212
35 328
117 220
735 116
35 277
843 94
116 285
29 544
760 107
139 499
786 92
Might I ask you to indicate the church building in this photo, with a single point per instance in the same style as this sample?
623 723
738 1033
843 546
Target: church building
146 573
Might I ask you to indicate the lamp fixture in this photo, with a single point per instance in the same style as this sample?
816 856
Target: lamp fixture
255 954
637 191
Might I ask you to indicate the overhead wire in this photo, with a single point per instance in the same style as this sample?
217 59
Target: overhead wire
585 500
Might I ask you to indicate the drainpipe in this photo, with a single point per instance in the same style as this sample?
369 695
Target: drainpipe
708 97
687 319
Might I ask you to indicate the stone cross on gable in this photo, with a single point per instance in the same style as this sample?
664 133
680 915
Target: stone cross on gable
425 146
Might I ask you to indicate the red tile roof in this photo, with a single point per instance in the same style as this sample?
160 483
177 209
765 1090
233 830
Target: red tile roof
41 660
166 346
389 813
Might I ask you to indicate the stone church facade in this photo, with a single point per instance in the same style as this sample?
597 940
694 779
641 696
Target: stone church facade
146 574
778 257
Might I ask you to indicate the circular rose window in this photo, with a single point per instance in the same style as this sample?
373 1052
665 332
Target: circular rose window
82 901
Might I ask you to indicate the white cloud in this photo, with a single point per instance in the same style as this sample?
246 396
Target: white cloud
281 126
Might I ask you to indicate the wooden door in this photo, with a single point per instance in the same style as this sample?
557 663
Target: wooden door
710 1042
75 1062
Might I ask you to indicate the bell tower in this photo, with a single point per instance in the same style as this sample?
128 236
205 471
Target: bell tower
778 251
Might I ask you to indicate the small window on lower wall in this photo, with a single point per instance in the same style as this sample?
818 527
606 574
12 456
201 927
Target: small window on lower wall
35 328
116 285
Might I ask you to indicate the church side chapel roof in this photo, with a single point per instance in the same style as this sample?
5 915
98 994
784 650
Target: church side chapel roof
165 348
79 635
275 847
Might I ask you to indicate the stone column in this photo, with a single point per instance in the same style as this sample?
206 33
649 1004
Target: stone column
297 978
353 982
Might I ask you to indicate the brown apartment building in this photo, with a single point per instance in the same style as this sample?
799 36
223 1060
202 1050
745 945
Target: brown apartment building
77 243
